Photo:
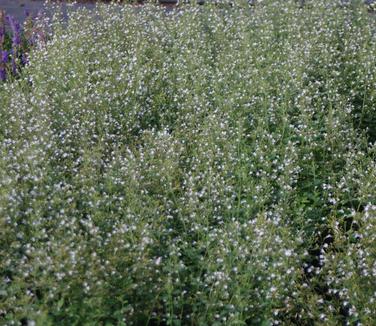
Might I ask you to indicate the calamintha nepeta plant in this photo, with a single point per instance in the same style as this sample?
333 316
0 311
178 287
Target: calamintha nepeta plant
212 165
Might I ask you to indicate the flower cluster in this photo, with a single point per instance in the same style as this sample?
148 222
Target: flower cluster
15 44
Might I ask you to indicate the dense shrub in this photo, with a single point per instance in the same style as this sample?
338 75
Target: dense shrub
214 165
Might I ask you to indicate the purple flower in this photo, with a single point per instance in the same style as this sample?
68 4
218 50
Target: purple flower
16 30
3 74
3 61
2 28
16 40
4 56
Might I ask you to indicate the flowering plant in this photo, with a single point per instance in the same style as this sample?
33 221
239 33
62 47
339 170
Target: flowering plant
15 43
210 165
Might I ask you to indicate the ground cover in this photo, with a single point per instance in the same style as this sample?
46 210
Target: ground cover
213 165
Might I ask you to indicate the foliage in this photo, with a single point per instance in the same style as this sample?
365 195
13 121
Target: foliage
211 165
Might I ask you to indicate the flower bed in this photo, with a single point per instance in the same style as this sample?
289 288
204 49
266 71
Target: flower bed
206 166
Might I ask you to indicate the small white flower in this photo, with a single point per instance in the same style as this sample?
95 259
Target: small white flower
288 253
